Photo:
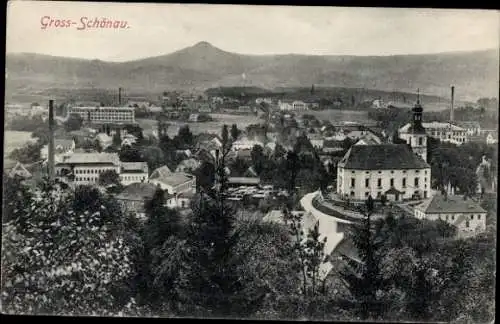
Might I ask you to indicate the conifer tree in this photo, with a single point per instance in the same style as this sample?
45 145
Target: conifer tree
363 277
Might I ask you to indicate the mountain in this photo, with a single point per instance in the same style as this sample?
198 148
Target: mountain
202 66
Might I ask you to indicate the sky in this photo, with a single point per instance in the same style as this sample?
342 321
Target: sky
157 29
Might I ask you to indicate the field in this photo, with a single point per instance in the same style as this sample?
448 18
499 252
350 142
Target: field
213 127
15 139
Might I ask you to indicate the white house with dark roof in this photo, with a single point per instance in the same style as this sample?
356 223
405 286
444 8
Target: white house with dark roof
465 214
378 170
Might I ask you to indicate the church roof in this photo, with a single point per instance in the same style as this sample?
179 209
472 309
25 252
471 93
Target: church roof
382 157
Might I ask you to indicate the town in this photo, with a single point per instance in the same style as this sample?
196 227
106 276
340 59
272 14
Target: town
250 162
289 162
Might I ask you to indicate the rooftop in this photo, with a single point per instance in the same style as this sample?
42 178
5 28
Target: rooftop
134 166
382 157
452 204
174 179
163 171
93 158
244 180
137 191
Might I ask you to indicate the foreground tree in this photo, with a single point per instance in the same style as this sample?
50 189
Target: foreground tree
61 261
211 281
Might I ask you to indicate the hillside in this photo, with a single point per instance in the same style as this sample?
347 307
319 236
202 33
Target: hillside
203 66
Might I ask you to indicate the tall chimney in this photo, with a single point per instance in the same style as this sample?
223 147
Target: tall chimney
51 165
452 102
119 96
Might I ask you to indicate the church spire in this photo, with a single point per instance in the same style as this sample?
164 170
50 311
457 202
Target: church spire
418 96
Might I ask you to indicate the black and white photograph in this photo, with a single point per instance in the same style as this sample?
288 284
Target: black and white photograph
257 162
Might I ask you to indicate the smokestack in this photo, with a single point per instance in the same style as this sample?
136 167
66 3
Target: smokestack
51 165
452 102
119 96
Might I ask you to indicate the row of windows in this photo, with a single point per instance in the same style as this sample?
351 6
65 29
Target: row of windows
92 179
379 194
392 171
391 181
133 178
90 171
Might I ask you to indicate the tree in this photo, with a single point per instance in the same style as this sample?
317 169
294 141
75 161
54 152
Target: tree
27 154
210 280
153 155
130 154
109 178
235 132
74 122
117 140
363 278
158 257
61 261
258 158
184 138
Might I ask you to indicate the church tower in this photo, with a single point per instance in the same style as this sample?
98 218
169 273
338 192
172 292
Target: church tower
417 136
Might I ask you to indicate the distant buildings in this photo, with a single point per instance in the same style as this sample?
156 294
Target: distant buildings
290 105
491 138
105 118
473 128
468 217
445 132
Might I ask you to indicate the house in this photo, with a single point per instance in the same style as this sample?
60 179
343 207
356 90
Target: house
369 139
491 138
465 214
189 165
104 140
16 169
133 172
129 140
332 146
292 105
473 128
250 173
134 197
173 183
245 144
372 170
61 147
163 171
378 103
180 201
317 141
243 181
193 118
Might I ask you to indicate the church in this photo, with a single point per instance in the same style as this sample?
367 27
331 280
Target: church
396 171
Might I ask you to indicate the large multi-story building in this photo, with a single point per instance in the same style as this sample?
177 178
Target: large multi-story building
105 115
385 169
85 168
